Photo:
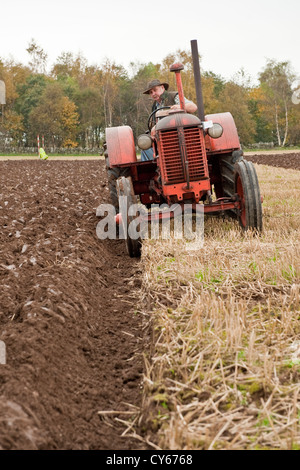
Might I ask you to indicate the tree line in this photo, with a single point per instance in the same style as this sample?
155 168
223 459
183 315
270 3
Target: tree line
73 103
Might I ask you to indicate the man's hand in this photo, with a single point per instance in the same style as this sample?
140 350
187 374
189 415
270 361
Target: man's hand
190 107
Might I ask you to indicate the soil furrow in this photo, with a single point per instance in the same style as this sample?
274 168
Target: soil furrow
67 312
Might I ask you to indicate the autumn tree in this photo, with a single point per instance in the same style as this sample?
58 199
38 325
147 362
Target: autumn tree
276 84
111 75
55 117
13 74
70 121
64 66
218 81
13 127
29 95
263 125
234 98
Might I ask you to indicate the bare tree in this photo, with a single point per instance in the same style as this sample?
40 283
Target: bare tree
38 57
276 82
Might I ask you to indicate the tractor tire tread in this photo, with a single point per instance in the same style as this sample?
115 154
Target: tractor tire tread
112 175
246 171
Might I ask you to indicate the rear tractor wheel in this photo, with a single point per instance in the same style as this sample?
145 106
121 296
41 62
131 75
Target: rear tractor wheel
247 189
227 163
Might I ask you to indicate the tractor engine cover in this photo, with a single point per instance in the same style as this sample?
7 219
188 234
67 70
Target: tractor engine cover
177 119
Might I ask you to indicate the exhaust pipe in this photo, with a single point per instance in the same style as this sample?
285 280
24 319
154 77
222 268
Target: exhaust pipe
177 68
197 79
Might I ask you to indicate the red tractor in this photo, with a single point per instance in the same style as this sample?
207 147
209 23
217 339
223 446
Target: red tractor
197 160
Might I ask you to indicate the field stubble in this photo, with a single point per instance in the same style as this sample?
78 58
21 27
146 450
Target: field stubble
224 368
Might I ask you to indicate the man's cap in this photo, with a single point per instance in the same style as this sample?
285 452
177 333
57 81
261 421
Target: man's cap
154 83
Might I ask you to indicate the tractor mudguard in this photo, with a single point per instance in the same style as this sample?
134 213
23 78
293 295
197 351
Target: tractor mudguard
229 140
120 145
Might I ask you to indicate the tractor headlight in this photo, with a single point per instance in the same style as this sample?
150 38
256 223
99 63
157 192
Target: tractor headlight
215 131
144 141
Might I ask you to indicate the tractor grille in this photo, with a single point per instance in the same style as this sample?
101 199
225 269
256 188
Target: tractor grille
172 166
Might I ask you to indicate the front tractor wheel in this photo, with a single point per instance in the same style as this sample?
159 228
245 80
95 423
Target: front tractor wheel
125 188
112 176
247 189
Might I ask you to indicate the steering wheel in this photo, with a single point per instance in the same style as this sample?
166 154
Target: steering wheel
155 111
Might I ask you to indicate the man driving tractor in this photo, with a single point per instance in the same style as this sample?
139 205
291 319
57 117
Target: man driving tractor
162 97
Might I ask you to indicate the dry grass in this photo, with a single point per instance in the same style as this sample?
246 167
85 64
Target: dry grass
225 366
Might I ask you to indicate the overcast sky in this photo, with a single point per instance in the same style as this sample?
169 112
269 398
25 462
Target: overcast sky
231 34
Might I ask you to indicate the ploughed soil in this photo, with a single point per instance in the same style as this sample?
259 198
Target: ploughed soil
74 340
67 312
283 160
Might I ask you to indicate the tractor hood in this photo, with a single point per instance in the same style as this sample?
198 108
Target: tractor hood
177 119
